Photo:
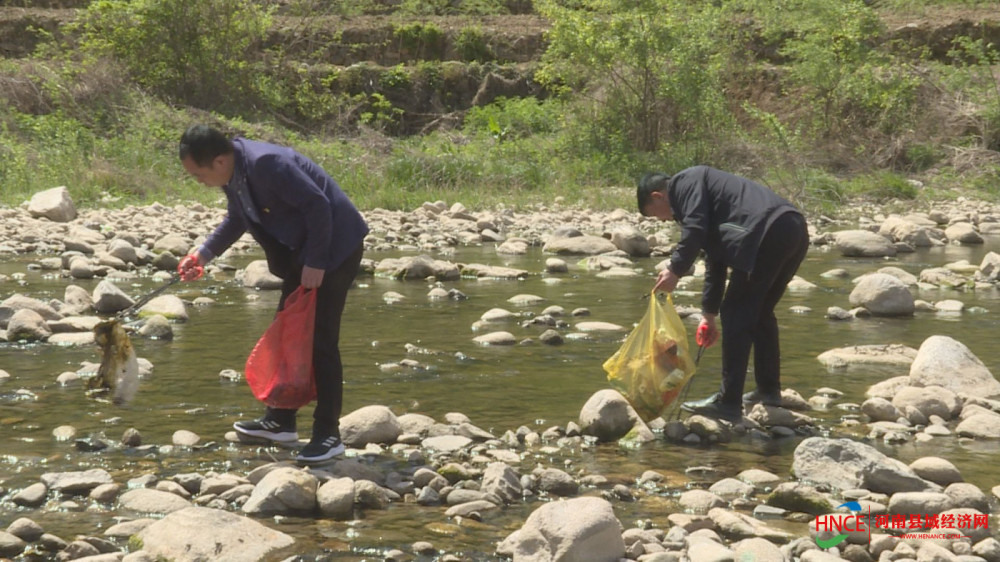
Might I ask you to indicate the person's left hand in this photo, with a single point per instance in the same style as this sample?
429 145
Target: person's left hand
312 278
666 281
708 331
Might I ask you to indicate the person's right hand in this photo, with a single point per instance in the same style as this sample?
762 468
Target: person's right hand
666 281
190 267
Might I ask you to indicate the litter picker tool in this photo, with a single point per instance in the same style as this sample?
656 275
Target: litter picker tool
118 374
699 338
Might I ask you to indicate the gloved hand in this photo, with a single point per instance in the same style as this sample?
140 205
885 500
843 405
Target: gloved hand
190 267
707 333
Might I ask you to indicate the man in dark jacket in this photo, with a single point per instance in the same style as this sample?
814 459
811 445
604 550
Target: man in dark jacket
312 235
744 227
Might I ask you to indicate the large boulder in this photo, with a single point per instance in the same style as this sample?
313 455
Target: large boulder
17 302
27 325
900 229
963 233
370 424
202 533
77 482
893 354
54 204
630 240
844 464
944 361
148 500
863 243
170 307
108 298
578 245
502 481
284 490
929 401
576 530
883 295
607 415
258 276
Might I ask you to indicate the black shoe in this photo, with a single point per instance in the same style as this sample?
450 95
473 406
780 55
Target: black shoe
713 408
321 449
267 429
756 396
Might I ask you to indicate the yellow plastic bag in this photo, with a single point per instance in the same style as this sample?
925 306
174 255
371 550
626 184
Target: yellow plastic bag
653 363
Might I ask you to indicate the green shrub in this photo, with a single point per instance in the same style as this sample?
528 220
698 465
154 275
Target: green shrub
514 117
191 51
448 170
420 40
919 157
471 45
652 68
882 186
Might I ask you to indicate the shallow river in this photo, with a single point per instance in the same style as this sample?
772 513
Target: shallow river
498 388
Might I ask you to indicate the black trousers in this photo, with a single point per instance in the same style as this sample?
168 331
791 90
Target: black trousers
327 366
747 311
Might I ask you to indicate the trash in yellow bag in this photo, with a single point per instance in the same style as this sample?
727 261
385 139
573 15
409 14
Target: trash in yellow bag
654 363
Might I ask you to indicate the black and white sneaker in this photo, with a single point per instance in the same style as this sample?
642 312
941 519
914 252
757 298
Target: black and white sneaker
321 449
267 429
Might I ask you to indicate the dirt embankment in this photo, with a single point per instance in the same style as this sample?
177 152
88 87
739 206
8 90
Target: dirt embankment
482 57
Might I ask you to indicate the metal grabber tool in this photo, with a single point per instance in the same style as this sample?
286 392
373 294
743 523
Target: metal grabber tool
699 338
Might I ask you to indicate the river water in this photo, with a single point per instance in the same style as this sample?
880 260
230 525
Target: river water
499 388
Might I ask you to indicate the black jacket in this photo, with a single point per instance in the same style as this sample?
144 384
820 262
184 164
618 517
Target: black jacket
726 216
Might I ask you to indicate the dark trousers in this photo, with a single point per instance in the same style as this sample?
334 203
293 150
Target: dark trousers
747 311
327 366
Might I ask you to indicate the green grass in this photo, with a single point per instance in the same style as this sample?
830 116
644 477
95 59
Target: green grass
79 122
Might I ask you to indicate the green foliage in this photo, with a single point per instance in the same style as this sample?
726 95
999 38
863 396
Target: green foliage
380 113
191 51
977 60
309 8
420 40
136 163
985 183
428 74
919 157
424 7
471 45
453 7
515 118
836 65
651 67
881 186
395 78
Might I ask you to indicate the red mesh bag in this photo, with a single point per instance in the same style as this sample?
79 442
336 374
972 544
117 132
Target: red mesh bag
280 367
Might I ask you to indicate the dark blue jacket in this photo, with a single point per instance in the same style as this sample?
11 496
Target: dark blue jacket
725 215
301 212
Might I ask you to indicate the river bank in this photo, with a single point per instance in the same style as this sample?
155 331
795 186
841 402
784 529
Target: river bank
404 464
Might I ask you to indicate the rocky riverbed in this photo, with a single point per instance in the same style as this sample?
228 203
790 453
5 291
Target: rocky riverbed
474 478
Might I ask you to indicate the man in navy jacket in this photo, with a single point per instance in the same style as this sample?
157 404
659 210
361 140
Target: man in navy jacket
312 235
745 228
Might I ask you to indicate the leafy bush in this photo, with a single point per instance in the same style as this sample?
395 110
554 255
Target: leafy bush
471 45
420 40
514 117
651 67
882 186
835 62
190 51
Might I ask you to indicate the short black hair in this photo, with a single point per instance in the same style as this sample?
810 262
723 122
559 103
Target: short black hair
204 144
650 182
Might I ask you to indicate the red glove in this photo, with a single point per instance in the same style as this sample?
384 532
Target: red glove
190 269
706 335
